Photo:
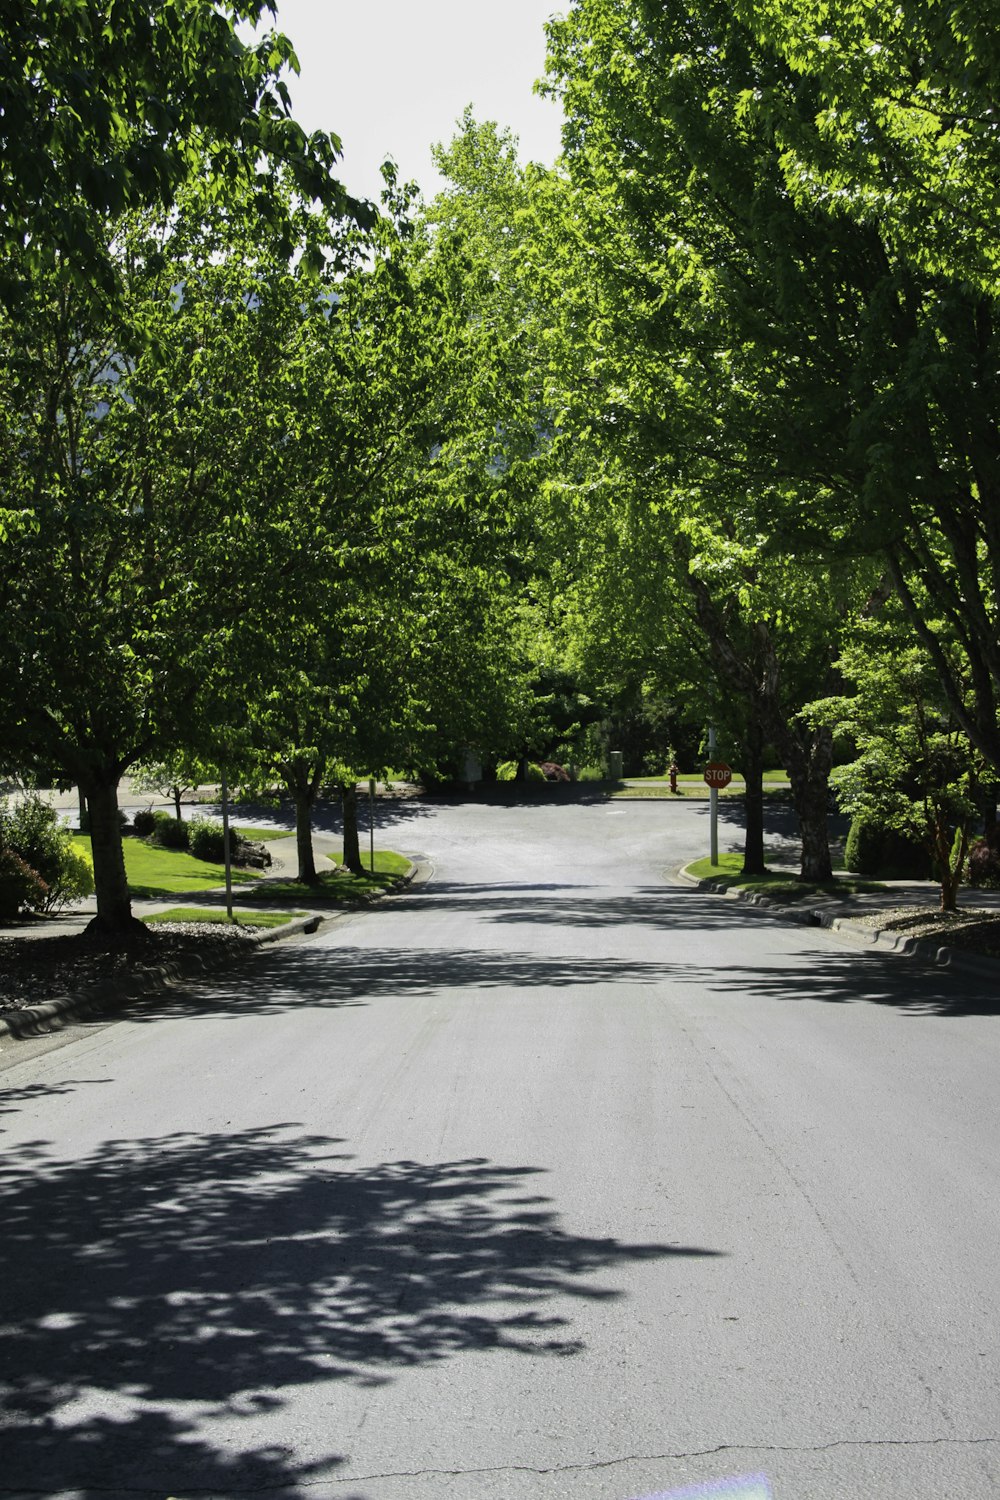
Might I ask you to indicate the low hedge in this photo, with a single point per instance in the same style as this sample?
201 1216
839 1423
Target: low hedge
884 853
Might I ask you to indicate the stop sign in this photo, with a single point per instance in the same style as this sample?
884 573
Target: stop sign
718 774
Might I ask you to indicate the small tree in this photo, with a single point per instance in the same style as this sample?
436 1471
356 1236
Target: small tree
915 771
171 777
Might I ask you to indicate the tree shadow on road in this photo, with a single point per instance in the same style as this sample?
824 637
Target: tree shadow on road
670 907
281 979
904 984
160 1295
390 812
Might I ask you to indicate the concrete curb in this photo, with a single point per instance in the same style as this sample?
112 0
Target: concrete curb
926 949
55 1013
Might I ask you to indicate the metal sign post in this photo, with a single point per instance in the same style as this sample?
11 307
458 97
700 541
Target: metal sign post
225 845
717 776
371 823
713 804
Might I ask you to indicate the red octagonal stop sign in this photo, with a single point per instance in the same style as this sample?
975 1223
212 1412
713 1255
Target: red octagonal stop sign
718 774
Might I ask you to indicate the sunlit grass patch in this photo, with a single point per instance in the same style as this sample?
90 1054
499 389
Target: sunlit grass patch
338 886
154 871
217 917
728 872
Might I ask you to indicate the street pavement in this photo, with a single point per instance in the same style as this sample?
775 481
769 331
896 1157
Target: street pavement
546 1178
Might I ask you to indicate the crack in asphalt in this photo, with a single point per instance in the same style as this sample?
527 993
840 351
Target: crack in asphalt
641 1458
571 1468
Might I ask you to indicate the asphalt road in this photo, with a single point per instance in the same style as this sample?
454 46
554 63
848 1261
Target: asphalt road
544 1179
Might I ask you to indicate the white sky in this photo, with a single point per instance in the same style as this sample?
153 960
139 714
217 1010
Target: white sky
390 77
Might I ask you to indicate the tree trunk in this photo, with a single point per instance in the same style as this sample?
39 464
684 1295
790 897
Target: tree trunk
817 865
808 761
84 823
177 801
303 836
949 890
303 782
114 918
753 802
352 844
949 855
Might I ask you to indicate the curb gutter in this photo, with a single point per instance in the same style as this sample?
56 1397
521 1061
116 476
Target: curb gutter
927 949
37 1019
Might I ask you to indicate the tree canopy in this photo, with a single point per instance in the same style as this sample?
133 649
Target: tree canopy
316 491
108 106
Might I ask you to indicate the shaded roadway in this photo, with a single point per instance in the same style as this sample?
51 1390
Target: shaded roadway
520 1185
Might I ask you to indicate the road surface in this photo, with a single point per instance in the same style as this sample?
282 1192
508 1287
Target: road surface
546 1179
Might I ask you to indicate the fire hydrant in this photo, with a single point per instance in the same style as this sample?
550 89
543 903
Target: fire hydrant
672 773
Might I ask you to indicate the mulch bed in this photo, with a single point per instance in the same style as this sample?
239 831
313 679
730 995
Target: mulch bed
36 970
972 929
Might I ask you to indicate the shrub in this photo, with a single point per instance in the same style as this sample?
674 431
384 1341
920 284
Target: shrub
507 770
206 840
874 850
144 822
863 850
33 832
21 887
76 880
984 861
170 832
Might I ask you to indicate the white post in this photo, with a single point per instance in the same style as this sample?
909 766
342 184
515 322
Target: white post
713 804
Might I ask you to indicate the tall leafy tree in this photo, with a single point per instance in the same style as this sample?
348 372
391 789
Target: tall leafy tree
913 771
108 106
395 649
902 133
146 446
791 347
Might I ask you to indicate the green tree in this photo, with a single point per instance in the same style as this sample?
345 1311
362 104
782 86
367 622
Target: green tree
788 347
146 446
914 770
395 646
178 772
902 133
108 106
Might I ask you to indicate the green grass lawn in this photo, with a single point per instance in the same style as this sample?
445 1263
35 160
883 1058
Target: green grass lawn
262 835
769 777
727 872
335 887
152 871
654 793
214 915
692 787
387 862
